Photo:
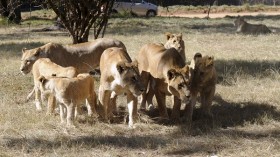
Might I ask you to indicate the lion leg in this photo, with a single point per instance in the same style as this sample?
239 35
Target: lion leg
37 99
207 103
161 99
150 96
70 114
104 98
62 110
145 77
91 104
30 94
113 104
151 93
175 115
51 104
132 109
189 111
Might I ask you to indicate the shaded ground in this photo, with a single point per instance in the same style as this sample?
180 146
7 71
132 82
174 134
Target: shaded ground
216 15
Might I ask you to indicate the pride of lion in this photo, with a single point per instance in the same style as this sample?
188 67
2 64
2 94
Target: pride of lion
63 73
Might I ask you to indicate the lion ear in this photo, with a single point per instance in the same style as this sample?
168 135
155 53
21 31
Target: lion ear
168 35
23 50
38 51
197 55
121 67
134 64
210 61
171 74
186 68
180 36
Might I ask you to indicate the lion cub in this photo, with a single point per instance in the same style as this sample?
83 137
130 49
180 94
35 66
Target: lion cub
119 76
45 67
70 93
176 41
247 28
203 81
165 71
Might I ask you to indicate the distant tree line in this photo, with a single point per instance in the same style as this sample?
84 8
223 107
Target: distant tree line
165 3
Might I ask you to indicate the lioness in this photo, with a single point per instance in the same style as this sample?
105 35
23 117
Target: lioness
70 93
45 67
176 41
84 56
119 75
247 28
173 41
203 81
168 73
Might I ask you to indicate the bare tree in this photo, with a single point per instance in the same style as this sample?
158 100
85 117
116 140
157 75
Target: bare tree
11 10
78 16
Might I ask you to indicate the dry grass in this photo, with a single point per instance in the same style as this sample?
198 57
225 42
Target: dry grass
218 9
246 106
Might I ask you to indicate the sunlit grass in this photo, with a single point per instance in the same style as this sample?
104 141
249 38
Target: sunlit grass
246 105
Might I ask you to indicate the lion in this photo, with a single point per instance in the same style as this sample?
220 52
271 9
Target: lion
84 56
119 76
70 93
45 67
173 41
168 74
176 41
247 28
203 82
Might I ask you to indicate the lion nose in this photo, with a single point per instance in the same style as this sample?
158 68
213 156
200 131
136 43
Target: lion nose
142 90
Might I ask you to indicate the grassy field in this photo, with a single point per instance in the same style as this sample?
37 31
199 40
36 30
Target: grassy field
246 107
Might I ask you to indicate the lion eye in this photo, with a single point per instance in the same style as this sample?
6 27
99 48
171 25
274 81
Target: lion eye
180 86
134 79
174 41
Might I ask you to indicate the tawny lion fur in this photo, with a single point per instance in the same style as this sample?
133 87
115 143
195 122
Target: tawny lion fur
173 41
176 41
167 73
203 82
70 93
45 67
119 76
84 56
247 28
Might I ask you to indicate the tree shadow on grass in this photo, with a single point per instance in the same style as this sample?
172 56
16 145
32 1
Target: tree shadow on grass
228 114
133 142
24 35
15 49
227 28
229 70
259 17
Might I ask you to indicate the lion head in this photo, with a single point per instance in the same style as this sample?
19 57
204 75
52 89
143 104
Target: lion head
28 59
129 77
175 41
239 21
178 81
204 69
